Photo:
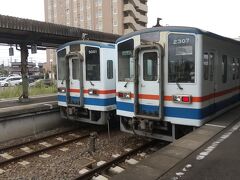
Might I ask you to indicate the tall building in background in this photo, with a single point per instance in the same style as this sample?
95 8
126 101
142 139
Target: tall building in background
111 16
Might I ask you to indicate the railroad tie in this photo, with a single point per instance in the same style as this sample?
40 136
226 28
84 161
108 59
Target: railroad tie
6 156
2 171
26 149
24 163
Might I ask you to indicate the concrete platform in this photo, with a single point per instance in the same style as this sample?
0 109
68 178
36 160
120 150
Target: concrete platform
11 108
23 119
218 159
160 162
32 100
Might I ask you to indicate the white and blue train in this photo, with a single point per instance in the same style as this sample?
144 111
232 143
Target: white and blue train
173 76
86 81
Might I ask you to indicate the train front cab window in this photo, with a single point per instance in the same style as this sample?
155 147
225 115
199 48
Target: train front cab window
125 60
61 64
181 58
92 63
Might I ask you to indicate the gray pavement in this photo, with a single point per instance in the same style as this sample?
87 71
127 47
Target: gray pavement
219 159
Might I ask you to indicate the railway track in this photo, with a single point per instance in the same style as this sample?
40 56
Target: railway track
101 170
41 150
38 139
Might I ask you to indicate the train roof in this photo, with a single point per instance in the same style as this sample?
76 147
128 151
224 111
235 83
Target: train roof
90 43
176 29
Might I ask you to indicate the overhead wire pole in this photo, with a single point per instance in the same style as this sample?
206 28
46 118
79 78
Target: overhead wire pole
24 72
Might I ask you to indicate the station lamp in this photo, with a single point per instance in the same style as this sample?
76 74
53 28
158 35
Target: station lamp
33 48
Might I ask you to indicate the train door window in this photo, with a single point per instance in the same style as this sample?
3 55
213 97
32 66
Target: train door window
233 69
61 64
150 66
224 68
75 68
109 69
211 65
181 58
205 66
92 64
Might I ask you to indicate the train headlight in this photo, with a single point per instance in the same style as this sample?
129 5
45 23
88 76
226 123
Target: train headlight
124 95
61 89
92 92
184 99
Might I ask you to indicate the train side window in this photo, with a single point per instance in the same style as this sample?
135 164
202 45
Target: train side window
238 68
92 63
224 68
150 66
109 69
75 69
233 69
205 66
211 65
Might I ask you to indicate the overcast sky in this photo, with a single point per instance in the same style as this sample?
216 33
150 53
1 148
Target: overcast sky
218 16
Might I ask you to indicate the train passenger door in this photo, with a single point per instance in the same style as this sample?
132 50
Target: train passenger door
149 84
75 84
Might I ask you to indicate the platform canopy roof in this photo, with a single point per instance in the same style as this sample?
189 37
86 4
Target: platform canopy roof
15 30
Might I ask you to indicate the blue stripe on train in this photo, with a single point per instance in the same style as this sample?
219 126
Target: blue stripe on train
183 112
91 101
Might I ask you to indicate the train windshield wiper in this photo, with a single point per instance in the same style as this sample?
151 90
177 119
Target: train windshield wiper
178 85
126 84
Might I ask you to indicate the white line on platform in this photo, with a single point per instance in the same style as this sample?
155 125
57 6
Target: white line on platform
202 155
215 125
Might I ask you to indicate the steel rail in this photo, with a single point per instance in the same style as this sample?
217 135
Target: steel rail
42 150
99 169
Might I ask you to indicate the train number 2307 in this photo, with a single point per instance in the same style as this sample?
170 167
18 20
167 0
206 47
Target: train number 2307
181 41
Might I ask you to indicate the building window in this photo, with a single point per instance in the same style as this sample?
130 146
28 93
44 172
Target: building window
115 8
99 2
100 12
100 25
